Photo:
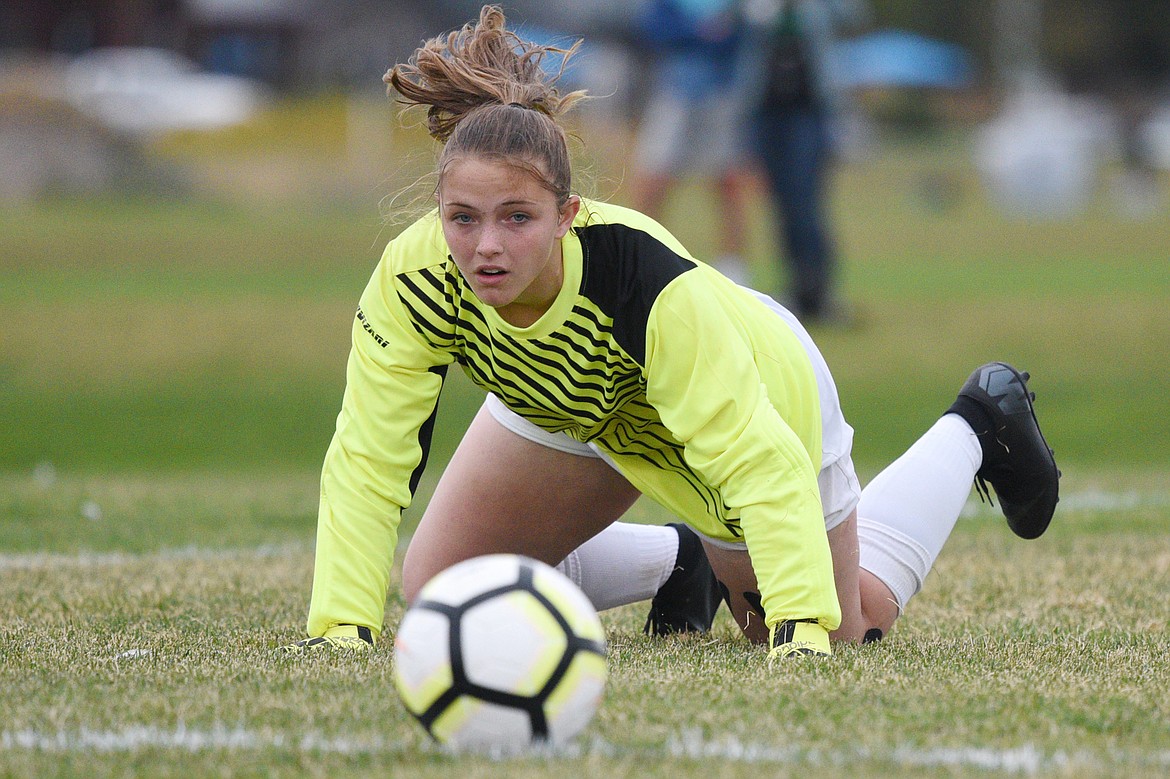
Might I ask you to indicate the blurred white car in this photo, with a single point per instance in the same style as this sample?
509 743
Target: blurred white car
1041 157
149 90
1155 138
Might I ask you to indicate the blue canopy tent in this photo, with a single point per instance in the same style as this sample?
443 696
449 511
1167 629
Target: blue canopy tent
895 58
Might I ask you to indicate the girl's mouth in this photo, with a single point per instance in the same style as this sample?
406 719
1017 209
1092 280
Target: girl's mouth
491 276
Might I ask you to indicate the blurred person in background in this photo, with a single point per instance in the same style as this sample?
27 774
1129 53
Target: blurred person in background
793 100
691 122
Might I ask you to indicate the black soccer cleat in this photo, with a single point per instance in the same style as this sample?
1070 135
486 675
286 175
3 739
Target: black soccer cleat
687 602
1017 461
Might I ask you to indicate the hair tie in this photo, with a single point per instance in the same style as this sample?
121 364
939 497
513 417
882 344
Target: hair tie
537 107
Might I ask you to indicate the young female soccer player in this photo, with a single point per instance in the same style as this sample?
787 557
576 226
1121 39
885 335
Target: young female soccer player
618 365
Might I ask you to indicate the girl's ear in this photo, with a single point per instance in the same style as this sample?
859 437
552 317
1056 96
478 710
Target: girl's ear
568 214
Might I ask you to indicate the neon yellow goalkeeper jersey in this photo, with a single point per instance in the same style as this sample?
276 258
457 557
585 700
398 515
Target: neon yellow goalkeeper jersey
703 397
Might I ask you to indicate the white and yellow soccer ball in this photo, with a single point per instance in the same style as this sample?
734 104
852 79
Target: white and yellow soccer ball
501 653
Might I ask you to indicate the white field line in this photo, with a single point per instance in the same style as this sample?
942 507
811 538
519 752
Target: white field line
1091 500
136 738
38 560
1083 501
1025 759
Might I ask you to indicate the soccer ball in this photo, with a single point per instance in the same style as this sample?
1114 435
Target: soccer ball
500 653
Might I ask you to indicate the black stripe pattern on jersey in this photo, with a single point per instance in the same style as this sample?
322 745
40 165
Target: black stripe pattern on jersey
425 433
586 377
625 271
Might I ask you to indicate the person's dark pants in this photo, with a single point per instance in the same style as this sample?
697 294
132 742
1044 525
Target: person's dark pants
793 148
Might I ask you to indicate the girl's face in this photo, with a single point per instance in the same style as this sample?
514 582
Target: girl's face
504 231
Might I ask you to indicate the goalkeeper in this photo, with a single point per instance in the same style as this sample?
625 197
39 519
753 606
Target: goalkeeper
618 365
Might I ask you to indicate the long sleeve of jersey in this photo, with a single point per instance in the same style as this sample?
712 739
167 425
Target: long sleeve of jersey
719 391
392 388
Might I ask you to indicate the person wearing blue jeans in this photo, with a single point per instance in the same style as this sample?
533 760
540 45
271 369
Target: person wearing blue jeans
793 149
790 88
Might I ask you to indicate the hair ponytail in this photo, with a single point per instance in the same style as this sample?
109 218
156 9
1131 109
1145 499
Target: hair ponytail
487 93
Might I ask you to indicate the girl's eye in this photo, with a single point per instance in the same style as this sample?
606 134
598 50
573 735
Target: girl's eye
461 219
518 218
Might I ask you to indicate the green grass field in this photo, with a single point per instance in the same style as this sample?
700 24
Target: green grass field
169 374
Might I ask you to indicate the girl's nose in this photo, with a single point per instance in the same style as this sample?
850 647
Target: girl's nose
489 242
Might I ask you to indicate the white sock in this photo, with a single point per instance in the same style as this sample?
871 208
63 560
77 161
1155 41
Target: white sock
908 511
625 563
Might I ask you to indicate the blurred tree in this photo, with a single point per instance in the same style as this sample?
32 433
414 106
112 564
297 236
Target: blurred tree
1092 45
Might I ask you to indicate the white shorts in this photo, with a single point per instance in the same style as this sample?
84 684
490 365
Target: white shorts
839 487
689 135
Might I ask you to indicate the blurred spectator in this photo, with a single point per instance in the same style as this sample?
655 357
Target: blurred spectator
794 97
690 124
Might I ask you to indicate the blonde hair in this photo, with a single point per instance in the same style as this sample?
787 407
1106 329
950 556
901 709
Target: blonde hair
488 94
